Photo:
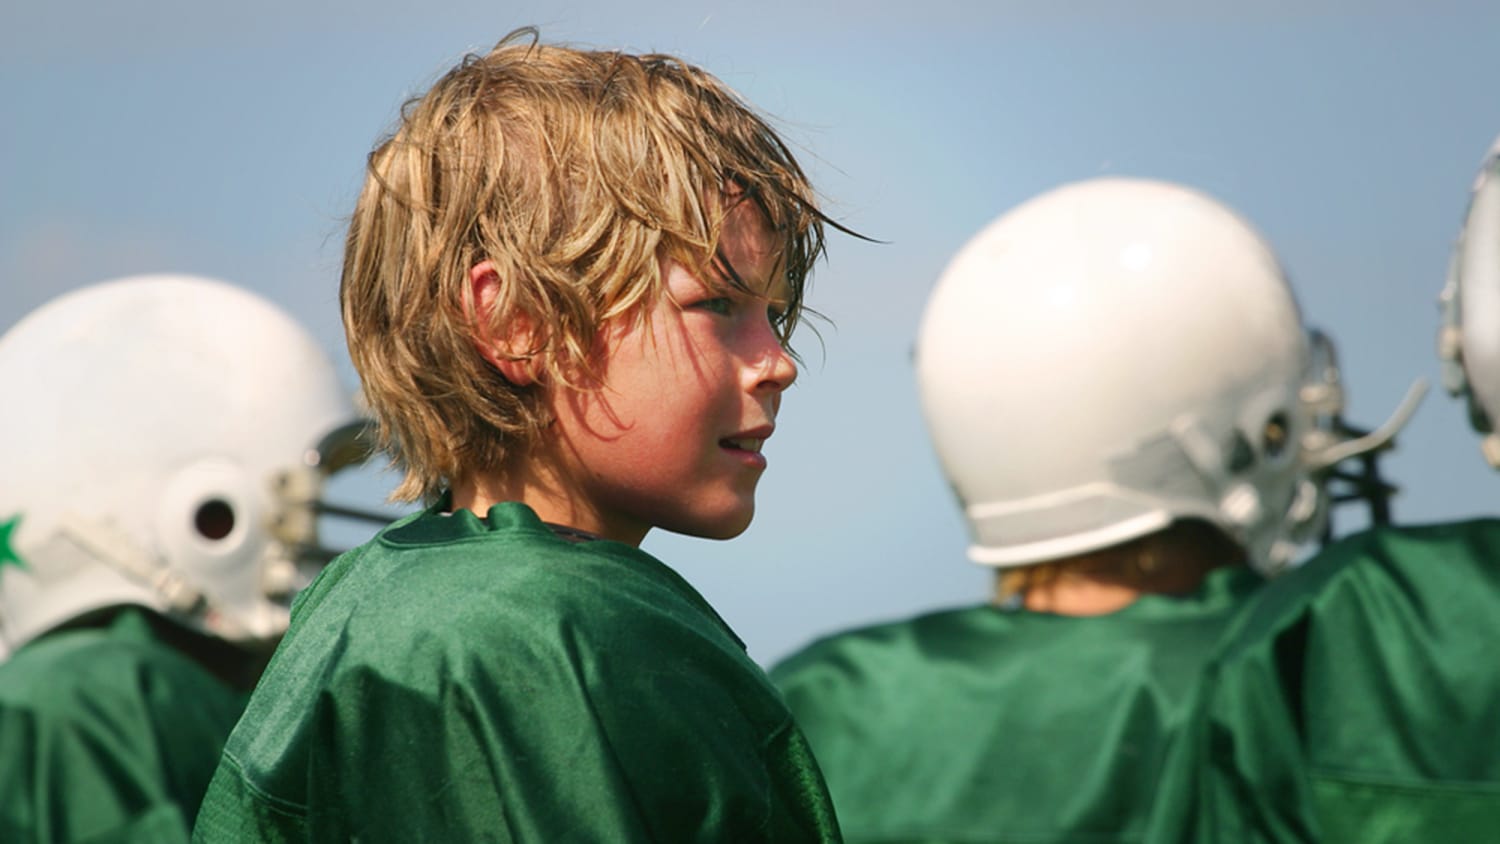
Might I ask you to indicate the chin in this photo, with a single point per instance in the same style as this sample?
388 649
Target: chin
727 526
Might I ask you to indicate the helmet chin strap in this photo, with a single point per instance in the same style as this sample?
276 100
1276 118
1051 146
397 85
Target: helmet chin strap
1379 438
292 528
1346 443
106 543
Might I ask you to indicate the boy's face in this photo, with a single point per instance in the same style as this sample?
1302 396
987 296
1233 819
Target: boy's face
673 437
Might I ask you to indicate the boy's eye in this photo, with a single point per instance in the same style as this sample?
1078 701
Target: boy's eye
721 305
776 314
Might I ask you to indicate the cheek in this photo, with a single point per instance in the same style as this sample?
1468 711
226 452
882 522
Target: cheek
663 392
671 383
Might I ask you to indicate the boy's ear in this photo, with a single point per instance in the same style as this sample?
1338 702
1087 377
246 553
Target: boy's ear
509 343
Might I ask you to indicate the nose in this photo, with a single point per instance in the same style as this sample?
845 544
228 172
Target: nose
781 370
776 370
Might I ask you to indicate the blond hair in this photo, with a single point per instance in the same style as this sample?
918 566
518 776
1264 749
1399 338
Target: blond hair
1173 560
576 173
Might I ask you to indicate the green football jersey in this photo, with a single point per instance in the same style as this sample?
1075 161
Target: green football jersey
107 734
467 679
1358 702
987 725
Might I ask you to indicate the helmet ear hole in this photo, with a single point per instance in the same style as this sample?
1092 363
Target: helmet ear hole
214 519
1277 433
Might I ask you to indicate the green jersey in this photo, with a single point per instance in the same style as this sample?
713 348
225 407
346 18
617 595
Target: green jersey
107 734
1359 701
987 725
467 679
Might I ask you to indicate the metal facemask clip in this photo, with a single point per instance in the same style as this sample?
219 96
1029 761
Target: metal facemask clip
298 491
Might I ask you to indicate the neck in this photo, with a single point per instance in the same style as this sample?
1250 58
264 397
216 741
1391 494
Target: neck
237 667
1085 591
545 491
1173 561
1080 597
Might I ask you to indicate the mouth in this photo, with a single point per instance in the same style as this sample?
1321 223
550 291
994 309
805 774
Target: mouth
742 443
747 441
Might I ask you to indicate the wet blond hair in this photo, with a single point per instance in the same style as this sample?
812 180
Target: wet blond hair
576 173
1173 560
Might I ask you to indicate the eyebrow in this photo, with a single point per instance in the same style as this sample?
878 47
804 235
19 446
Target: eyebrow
778 289
725 268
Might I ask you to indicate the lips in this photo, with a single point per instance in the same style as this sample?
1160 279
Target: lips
750 440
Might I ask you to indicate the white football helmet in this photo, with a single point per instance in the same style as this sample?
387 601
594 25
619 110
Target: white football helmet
1469 343
164 445
1117 354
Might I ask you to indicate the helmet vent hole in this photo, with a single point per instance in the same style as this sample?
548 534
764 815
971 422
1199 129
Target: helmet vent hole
1241 455
1276 435
214 519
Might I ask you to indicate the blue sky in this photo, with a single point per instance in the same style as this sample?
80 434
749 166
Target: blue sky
228 140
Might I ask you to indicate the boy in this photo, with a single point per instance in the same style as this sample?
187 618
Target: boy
568 287
1116 379
1357 700
163 470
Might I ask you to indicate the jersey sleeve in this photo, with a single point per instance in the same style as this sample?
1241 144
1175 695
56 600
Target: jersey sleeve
94 758
1355 702
1234 773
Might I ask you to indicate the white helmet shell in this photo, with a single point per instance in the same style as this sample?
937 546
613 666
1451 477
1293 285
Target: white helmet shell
154 424
1109 357
1470 340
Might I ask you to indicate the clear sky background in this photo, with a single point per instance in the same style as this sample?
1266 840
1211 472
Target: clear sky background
228 140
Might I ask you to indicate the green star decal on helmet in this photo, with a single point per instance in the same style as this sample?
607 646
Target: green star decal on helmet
8 555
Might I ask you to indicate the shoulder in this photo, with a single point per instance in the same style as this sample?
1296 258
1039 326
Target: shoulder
1409 560
117 713
510 619
439 564
984 635
503 649
881 638
989 659
884 659
1463 544
525 596
71 673
55 675
1386 578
